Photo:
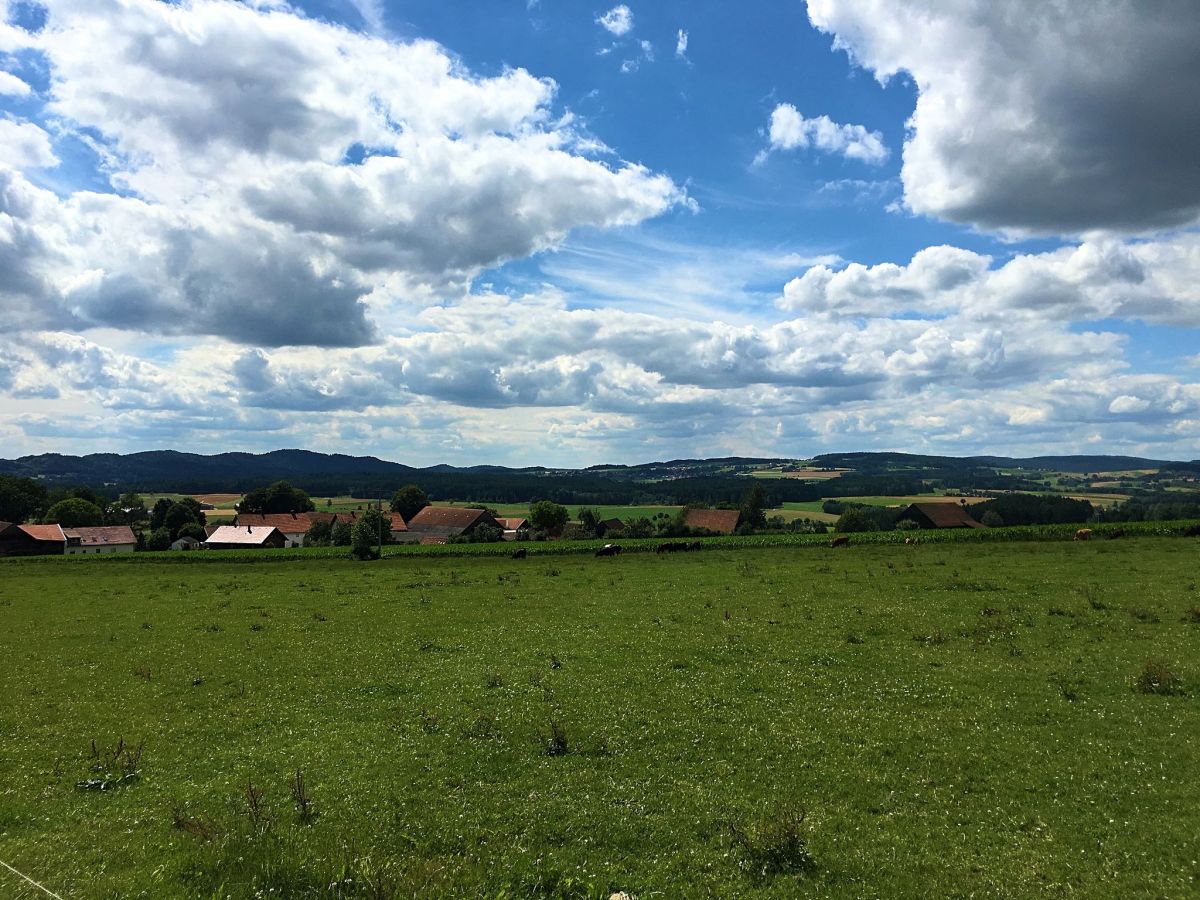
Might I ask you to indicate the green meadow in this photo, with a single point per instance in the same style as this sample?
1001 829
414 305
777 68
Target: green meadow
988 719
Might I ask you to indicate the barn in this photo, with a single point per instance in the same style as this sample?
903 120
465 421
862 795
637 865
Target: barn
31 540
249 537
448 522
514 529
939 515
293 525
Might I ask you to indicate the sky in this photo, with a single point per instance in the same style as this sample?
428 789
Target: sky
549 232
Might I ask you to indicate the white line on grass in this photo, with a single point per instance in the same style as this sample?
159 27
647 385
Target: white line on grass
30 880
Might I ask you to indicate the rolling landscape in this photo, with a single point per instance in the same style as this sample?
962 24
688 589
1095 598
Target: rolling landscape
546 450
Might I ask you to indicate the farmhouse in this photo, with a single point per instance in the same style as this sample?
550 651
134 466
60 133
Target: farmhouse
31 540
718 521
612 526
514 529
939 515
100 539
187 543
293 525
448 521
249 537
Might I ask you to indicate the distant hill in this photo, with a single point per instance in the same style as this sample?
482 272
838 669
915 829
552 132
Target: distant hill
1080 464
678 481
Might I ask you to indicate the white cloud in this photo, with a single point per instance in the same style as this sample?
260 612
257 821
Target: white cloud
12 86
24 145
1152 281
789 130
681 44
1039 117
617 21
246 211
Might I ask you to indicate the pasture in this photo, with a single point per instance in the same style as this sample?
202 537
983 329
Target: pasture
1004 719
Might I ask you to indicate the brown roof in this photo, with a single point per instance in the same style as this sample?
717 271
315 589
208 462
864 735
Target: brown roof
943 515
432 540
44 532
457 517
510 524
397 520
233 534
102 535
613 524
288 523
721 521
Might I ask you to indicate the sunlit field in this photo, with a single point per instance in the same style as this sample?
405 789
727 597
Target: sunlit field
1009 719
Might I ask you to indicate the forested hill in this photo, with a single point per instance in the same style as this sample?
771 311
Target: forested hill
672 482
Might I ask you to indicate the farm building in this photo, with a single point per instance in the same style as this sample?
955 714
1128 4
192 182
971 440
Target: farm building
249 537
187 543
718 521
514 529
612 526
100 539
939 515
31 540
448 521
293 525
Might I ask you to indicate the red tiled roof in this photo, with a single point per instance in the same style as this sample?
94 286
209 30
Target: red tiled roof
45 532
234 534
288 523
720 521
460 517
431 540
102 535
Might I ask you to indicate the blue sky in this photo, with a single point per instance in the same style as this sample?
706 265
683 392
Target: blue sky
565 233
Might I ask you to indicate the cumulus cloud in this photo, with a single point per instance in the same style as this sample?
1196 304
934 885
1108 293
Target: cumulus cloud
617 21
24 145
280 204
789 130
1040 117
1153 281
12 86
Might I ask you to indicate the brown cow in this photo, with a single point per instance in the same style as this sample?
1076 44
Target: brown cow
840 541
1083 534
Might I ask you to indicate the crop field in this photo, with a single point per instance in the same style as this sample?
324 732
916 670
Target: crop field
995 719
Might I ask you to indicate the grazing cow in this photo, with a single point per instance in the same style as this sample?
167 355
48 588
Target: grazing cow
840 541
694 545
1115 533
609 550
667 548
1192 531
1083 534
520 554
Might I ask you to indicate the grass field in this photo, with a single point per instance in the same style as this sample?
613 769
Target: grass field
952 719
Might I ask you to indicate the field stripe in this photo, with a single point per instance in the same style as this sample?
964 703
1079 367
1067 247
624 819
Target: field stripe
40 887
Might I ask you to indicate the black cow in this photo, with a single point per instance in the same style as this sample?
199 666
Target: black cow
520 554
609 550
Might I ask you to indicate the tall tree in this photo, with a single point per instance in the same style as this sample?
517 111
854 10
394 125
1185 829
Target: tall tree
75 513
409 500
20 498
